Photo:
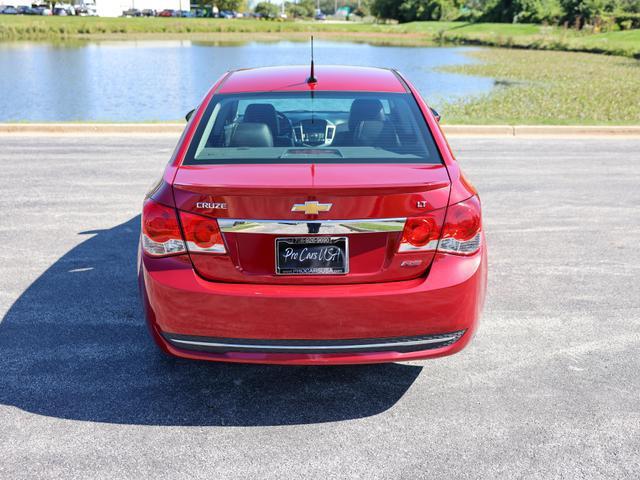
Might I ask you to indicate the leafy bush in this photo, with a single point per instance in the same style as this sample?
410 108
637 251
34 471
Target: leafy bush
626 21
523 11
576 12
581 12
267 9
301 9
412 10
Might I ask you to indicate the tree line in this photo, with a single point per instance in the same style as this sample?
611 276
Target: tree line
600 14
624 13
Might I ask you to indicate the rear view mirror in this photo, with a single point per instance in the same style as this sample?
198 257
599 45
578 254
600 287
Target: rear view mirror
435 113
189 114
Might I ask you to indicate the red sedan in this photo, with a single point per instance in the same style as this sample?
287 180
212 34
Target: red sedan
312 220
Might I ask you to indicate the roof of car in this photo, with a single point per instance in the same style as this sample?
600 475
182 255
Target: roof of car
329 77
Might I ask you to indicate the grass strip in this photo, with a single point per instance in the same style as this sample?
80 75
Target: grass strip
549 88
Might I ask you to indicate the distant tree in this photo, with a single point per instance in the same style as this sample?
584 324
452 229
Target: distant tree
385 9
576 12
230 5
301 9
579 12
629 6
523 11
267 9
411 10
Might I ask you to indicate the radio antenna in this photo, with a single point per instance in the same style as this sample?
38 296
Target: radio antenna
312 78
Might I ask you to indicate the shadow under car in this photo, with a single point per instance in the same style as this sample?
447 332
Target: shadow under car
74 345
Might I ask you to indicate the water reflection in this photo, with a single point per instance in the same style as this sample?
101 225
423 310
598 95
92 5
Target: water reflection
161 80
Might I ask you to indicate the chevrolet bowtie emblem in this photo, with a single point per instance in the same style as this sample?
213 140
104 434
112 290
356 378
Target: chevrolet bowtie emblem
311 208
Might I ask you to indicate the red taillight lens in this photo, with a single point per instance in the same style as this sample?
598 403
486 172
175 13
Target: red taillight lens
420 233
160 230
202 234
461 233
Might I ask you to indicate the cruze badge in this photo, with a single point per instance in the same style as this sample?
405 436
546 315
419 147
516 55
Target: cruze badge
212 205
311 208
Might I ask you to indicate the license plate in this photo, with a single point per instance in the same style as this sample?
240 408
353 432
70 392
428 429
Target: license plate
312 256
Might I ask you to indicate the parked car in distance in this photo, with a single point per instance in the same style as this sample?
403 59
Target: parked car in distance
227 14
312 218
186 14
9 10
132 12
167 13
42 11
24 10
86 8
148 12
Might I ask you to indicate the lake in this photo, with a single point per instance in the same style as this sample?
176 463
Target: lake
139 81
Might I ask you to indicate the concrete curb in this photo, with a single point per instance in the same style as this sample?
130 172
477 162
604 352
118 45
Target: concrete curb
543 130
479 130
453 130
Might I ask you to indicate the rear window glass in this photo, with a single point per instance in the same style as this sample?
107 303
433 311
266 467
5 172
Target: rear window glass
318 127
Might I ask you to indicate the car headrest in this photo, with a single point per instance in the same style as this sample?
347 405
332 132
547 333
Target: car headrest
262 113
370 133
251 135
365 109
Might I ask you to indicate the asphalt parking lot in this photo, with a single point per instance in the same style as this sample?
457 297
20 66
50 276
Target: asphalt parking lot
550 387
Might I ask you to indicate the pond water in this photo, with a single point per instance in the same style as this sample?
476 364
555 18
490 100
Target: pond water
161 80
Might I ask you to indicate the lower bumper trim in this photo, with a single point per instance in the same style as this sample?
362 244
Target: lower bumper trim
367 345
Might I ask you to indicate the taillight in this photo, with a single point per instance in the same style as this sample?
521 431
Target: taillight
461 233
421 233
160 230
202 234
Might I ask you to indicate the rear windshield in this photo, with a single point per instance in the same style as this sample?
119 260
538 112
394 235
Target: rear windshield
318 127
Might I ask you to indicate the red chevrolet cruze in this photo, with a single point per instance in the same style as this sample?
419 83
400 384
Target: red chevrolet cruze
312 220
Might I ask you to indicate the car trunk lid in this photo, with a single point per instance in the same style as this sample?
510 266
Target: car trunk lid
258 204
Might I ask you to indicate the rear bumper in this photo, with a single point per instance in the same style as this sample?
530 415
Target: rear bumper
332 324
355 345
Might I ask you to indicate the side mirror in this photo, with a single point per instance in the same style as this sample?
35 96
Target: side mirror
435 113
189 114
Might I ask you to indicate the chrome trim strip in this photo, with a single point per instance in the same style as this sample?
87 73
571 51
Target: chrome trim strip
304 227
318 347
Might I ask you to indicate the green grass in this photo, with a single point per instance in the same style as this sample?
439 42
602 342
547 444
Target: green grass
65 29
557 88
539 37
28 27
